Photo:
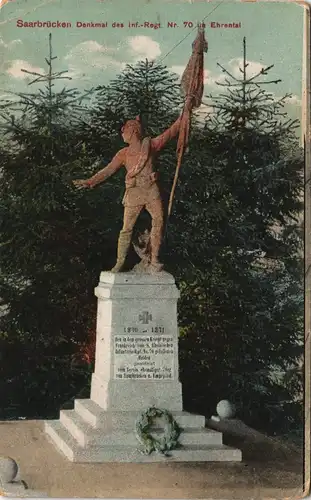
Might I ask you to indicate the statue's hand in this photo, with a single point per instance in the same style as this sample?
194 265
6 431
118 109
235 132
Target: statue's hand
81 183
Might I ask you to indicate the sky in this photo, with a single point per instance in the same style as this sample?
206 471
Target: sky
93 56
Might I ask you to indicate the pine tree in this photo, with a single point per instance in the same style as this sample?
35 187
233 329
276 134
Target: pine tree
241 309
147 89
42 251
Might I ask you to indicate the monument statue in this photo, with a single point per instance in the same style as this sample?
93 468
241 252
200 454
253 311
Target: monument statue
142 190
136 373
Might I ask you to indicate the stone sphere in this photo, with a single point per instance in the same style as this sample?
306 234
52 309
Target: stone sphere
8 470
225 409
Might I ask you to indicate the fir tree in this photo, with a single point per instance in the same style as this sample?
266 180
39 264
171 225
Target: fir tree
148 90
241 309
41 247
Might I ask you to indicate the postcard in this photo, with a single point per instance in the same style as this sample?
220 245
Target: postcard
154 157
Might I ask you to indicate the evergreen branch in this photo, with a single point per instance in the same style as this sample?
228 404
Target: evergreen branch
62 78
263 71
58 73
17 94
37 80
224 70
247 82
34 73
267 83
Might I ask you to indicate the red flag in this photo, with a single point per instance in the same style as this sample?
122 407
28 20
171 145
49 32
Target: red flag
192 87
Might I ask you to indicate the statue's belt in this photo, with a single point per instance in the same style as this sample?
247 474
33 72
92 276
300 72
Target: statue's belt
132 181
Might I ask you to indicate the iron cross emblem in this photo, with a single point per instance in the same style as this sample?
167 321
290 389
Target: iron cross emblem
145 317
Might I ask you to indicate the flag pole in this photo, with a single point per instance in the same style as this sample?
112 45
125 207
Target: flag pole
179 160
181 151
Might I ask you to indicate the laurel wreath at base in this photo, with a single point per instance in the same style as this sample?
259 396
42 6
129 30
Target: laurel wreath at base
169 441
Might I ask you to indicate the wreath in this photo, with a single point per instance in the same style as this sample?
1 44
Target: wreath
169 441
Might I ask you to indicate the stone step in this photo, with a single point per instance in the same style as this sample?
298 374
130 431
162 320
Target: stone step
94 415
88 436
60 436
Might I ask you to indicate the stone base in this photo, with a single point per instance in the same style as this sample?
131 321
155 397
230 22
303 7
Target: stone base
136 367
90 434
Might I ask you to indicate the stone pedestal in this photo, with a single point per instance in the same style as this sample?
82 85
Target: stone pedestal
136 367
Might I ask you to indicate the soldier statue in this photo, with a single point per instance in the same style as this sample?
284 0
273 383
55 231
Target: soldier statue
142 190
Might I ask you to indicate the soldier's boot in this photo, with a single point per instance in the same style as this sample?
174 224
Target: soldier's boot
124 243
155 244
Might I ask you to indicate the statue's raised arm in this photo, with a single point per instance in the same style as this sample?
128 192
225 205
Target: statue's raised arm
158 143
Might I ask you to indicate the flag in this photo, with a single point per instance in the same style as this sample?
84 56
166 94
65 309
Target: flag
192 87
